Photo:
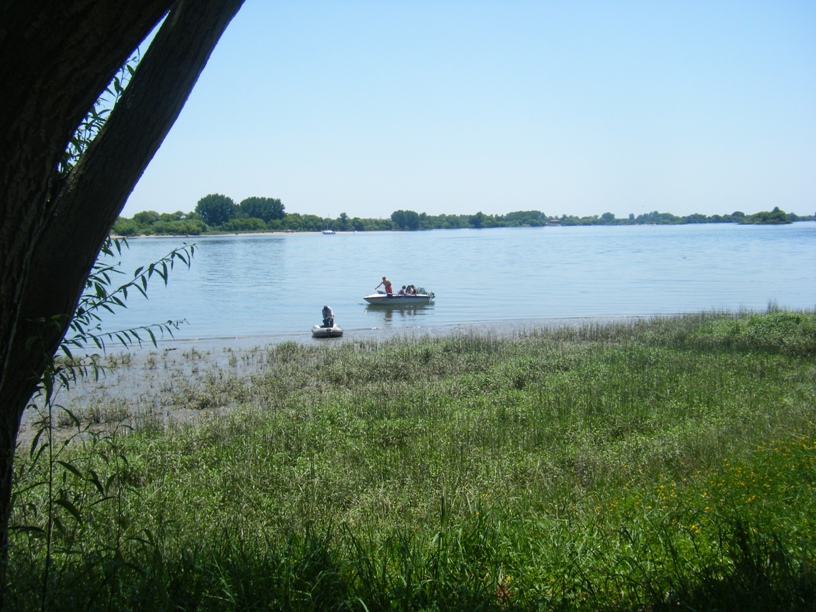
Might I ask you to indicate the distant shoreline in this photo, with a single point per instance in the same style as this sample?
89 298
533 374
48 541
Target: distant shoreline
397 231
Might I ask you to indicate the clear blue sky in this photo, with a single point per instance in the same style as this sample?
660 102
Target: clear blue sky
452 106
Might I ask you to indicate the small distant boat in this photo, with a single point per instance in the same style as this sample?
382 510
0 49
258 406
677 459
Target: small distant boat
335 331
329 232
381 299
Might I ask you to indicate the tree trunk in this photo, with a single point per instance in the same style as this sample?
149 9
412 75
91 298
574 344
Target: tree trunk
56 58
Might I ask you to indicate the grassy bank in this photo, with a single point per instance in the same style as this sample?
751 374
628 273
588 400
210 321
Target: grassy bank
653 465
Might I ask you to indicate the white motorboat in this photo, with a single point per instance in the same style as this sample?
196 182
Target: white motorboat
335 331
382 299
329 232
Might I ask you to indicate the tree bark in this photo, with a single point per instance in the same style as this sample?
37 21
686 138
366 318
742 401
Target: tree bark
56 58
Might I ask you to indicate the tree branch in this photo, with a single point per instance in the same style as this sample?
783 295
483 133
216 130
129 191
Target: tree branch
55 59
97 188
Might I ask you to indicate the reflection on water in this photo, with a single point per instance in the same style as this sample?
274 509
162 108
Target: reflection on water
401 313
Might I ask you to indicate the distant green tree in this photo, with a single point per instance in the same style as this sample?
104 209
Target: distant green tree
194 227
378 225
458 220
126 227
179 227
215 209
292 221
658 218
696 218
313 223
478 220
779 216
432 221
343 222
244 224
533 218
405 219
176 216
774 217
147 217
608 218
265 209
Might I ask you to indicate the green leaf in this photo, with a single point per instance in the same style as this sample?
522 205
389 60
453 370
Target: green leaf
71 468
111 481
34 443
94 479
72 510
74 419
31 530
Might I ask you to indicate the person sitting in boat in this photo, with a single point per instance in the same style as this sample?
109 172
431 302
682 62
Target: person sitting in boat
410 290
328 317
403 291
385 284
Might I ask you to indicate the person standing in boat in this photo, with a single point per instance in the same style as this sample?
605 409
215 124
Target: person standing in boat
328 317
386 284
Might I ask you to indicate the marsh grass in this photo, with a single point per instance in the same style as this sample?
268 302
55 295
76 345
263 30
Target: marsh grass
655 464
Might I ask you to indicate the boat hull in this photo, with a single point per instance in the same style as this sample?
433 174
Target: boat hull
381 299
327 332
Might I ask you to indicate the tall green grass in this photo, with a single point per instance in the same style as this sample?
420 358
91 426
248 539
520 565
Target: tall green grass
661 464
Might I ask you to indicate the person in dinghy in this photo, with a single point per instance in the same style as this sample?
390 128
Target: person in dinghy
328 317
328 329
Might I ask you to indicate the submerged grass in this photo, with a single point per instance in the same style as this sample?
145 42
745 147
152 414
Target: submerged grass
661 464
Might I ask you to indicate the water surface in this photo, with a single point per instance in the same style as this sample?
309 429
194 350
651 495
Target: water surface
275 286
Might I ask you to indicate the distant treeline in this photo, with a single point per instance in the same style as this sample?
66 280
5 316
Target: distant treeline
217 213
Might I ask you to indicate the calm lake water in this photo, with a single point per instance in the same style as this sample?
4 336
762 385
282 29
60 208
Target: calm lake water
273 287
